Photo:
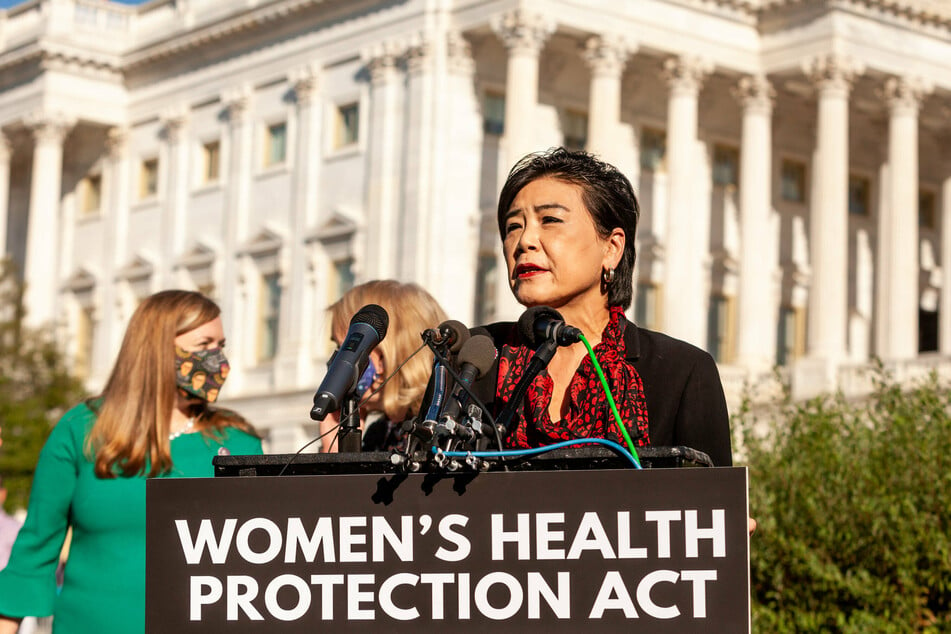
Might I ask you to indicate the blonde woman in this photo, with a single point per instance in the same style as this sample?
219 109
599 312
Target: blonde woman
151 420
411 311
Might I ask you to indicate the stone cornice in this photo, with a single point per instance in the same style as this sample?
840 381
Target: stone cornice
925 12
52 55
207 34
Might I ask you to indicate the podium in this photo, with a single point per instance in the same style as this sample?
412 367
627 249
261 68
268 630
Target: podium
569 542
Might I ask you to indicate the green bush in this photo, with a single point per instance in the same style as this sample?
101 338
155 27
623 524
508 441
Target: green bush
853 501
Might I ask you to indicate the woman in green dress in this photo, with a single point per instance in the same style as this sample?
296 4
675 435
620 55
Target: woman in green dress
155 418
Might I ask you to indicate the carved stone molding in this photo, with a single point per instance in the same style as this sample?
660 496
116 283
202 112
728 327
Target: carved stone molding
419 53
606 55
523 31
459 54
832 72
685 74
904 94
236 102
304 81
381 60
755 93
49 127
117 140
173 122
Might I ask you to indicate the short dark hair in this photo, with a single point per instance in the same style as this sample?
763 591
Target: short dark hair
606 192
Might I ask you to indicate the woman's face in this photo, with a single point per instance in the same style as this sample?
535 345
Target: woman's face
553 252
208 336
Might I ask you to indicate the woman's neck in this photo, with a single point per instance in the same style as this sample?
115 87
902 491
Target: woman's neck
592 320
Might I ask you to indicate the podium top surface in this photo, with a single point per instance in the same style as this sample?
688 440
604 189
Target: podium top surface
380 462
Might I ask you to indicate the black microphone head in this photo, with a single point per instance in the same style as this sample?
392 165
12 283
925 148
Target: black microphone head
374 316
454 334
480 352
526 323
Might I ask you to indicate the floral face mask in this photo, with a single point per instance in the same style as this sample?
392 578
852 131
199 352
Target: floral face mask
201 373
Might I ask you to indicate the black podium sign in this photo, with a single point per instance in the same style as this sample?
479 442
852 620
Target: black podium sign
662 550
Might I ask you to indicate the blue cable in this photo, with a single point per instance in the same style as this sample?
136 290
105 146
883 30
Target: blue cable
538 450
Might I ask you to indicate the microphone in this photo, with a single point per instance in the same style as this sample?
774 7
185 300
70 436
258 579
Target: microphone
450 335
544 329
542 323
367 329
475 359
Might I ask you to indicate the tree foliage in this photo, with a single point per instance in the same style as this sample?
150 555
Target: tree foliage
853 501
36 387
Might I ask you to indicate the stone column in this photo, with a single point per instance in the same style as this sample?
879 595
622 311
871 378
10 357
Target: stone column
5 153
116 205
236 104
384 159
174 219
684 302
897 296
293 366
756 325
524 33
43 227
829 212
414 247
455 184
944 335
606 57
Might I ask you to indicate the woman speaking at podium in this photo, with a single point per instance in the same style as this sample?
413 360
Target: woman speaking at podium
154 418
567 222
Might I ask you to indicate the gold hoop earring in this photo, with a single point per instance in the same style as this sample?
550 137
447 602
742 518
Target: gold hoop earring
607 276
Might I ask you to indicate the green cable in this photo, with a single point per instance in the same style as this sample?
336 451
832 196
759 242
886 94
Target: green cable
607 391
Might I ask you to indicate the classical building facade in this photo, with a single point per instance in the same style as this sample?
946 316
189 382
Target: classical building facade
791 157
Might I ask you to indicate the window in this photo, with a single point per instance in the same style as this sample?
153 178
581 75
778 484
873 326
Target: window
653 149
576 129
148 178
858 196
646 312
343 278
720 328
347 128
927 330
486 280
793 181
84 342
790 335
211 161
493 113
270 316
90 194
726 165
926 210
275 151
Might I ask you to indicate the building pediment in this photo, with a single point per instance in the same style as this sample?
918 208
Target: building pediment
138 268
266 241
80 281
198 256
339 226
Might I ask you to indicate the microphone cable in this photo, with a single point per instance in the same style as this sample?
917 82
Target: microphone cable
610 444
336 428
607 391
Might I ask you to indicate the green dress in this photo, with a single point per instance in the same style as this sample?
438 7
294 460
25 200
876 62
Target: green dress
104 587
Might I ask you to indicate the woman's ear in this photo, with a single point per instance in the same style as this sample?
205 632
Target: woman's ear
614 248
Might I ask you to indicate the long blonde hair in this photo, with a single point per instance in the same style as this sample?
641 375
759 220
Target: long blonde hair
130 435
411 311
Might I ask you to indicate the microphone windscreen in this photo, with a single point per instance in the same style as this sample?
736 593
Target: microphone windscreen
526 323
374 316
455 334
480 352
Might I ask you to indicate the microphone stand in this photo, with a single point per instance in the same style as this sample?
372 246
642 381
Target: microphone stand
349 438
539 360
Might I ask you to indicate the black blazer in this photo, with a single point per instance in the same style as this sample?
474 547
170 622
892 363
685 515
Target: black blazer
685 401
